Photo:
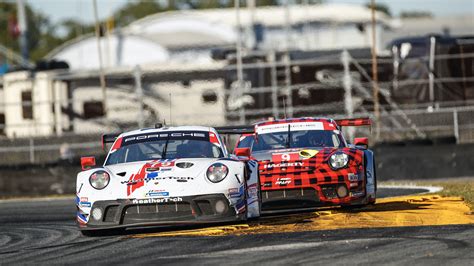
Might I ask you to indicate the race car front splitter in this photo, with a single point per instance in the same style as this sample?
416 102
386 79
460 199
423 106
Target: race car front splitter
165 211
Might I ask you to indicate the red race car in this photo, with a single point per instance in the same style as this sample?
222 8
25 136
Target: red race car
306 163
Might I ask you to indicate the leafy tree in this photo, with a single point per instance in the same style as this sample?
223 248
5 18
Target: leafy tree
380 7
38 24
416 14
136 10
43 35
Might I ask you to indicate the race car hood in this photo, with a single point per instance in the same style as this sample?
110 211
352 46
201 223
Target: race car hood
160 177
302 154
294 153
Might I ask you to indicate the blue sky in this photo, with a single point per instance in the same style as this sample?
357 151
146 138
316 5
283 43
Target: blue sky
82 9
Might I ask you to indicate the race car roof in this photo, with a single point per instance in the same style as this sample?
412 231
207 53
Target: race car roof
168 129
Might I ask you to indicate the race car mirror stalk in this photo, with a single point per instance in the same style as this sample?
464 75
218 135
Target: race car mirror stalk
87 163
362 142
243 152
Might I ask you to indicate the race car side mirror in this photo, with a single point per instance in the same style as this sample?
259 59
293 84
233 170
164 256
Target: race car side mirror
364 142
87 163
244 152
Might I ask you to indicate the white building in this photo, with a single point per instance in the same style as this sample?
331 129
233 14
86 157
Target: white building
33 104
49 103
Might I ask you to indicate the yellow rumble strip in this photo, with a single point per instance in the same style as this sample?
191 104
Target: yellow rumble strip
390 212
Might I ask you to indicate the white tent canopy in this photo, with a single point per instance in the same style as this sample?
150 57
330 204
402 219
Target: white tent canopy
117 51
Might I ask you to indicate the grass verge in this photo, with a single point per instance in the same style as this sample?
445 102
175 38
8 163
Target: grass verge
461 187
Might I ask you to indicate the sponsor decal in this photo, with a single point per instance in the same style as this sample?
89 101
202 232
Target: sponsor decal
157 193
296 126
280 165
280 157
283 181
84 199
151 176
353 177
85 204
138 180
236 192
153 169
252 193
157 200
165 135
357 194
157 178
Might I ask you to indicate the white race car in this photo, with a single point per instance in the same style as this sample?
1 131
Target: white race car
165 176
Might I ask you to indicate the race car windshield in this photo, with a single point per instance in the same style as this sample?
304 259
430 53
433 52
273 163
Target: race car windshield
166 148
297 139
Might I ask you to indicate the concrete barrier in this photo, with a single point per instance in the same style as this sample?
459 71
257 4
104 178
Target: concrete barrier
424 161
394 162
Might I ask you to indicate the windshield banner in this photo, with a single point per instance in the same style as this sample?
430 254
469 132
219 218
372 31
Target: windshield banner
172 135
296 126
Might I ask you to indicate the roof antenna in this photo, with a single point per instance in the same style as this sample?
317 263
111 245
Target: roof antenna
170 109
284 106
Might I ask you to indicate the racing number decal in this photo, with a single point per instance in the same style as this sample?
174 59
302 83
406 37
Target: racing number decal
285 157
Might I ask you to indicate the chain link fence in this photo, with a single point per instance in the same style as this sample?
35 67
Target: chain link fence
279 85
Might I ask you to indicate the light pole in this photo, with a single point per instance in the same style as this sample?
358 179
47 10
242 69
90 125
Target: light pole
375 75
23 25
238 50
99 51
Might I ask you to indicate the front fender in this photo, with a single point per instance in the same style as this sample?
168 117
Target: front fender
371 185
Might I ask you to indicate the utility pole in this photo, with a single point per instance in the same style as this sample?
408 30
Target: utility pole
139 94
99 51
23 26
431 75
251 25
287 59
375 75
238 49
347 83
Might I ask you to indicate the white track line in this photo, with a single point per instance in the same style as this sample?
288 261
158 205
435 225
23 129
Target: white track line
431 189
269 248
68 197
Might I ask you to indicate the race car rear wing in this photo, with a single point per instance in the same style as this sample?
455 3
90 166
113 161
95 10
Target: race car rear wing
235 130
238 130
354 122
109 138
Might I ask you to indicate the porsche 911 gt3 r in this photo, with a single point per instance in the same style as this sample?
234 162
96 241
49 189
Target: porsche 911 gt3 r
306 163
165 176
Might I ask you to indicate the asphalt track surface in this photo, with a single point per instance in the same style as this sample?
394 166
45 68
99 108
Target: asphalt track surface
44 232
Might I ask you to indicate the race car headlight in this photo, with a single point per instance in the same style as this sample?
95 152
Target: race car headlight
338 160
99 179
217 172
